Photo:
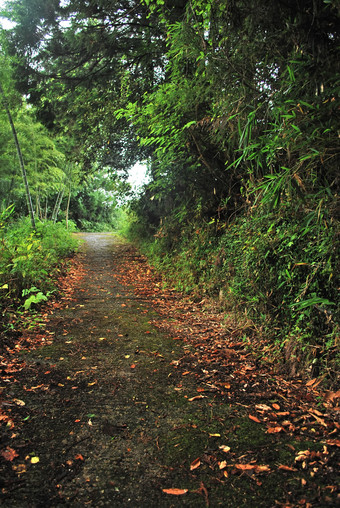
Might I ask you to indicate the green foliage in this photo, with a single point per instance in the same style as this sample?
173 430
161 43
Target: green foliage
235 106
94 203
28 259
35 298
277 269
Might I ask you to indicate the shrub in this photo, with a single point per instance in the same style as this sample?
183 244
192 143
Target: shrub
29 257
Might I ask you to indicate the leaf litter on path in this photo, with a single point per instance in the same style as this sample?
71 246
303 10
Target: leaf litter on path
152 438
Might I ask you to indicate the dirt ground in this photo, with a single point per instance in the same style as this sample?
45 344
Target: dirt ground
121 408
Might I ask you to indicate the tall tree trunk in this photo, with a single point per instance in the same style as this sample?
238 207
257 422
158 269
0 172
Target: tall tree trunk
21 160
57 204
68 206
69 178
38 210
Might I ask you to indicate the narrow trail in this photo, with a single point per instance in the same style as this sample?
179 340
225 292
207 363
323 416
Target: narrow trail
114 412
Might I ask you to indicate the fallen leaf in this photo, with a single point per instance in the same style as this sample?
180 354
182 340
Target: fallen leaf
9 453
245 467
254 418
333 442
263 407
262 469
20 468
197 397
222 464
195 464
19 402
36 387
276 406
78 457
215 435
175 492
225 448
274 430
330 396
35 460
133 366
286 468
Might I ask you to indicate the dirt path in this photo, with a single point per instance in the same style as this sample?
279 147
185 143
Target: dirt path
114 413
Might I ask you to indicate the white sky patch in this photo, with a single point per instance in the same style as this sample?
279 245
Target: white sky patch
5 23
138 176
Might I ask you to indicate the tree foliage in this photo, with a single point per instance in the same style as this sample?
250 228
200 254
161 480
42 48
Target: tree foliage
235 106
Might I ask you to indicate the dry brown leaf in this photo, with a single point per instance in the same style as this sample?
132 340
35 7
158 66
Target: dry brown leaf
20 468
195 464
330 396
262 469
286 468
19 402
197 397
274 430
263 407
254 418
333 442
245 467
9 453
224 448
175 492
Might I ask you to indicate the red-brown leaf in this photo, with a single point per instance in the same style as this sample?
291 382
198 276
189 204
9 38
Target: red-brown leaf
175 492
287 468
195 464
245 467
274 430
9 453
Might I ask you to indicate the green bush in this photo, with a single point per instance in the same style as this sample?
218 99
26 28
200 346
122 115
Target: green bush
279 269
29 257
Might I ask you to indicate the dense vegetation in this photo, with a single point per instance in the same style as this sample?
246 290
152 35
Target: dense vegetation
235 107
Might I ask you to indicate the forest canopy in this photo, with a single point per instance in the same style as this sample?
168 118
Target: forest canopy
235 107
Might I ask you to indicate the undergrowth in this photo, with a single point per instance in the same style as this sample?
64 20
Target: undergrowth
277 270
29 261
